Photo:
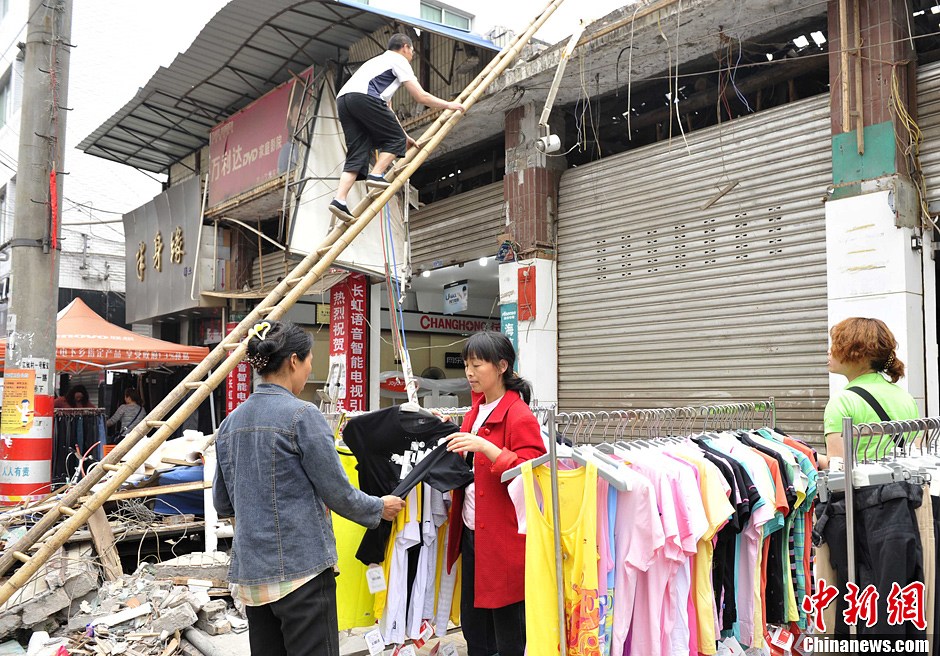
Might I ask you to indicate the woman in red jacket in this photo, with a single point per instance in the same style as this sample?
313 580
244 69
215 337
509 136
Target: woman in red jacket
501 432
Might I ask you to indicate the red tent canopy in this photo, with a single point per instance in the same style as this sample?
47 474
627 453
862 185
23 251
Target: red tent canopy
84 340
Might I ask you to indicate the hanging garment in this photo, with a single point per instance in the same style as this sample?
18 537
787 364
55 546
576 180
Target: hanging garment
386 440
353 599
394 617
577 505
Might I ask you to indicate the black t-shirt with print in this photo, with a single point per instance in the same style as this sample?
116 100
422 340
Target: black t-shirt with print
382 441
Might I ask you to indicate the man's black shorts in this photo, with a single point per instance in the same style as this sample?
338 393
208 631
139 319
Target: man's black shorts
368 123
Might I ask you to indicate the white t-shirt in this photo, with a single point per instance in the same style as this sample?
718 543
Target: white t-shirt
469 512
380 76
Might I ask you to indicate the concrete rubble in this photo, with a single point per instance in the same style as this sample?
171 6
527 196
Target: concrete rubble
69 611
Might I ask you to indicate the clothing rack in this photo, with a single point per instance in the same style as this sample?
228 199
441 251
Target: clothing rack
640 423
616 425
894 438
650 423
76 428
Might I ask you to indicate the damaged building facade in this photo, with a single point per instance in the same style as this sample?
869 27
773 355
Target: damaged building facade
731 181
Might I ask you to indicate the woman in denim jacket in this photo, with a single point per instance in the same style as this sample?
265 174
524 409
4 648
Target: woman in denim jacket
278 473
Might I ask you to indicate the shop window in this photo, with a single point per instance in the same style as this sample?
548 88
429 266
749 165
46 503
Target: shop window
445 16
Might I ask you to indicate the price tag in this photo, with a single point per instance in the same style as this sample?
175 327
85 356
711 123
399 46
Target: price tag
407 650
781 638
425 634
448 649
375 577
733 646
374 642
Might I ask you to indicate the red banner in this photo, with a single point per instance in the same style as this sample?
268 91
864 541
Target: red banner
253 146
238 382
349 339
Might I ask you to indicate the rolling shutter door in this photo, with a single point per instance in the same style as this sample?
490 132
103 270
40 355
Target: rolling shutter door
669 297
928 118
458 229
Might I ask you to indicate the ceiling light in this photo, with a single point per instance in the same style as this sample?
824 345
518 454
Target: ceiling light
484 261
935 9
426 274
801 41
819 38
770 56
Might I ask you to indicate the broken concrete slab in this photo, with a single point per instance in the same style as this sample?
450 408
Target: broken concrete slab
197 565
46 605
175 619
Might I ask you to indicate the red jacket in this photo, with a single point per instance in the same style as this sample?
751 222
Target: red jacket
499 549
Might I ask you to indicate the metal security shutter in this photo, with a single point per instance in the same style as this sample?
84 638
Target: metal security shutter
457 229
928 118
663 301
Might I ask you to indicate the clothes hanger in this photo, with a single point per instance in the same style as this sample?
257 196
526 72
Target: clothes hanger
607 468
869 473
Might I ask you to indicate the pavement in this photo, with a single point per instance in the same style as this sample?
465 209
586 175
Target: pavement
351 643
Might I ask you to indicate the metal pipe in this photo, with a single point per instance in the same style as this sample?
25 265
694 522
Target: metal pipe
849 458
556 529
202 216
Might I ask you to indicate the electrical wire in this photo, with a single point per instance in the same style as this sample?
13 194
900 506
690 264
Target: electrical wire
911 148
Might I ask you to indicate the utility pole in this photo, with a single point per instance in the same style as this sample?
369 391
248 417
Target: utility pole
29 366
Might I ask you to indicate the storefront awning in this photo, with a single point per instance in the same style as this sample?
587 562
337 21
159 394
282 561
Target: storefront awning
247 49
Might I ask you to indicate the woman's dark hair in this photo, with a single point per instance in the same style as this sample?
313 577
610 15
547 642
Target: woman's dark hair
281 340
133 395
867 340
73 391
493 346
399 41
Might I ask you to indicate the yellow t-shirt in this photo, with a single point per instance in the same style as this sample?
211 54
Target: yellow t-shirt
717 510
353 599
577 505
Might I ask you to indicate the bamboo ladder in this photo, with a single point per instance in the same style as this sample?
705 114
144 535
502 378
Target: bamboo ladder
202 380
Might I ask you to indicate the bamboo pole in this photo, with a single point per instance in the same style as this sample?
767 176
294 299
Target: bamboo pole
235 345
844 63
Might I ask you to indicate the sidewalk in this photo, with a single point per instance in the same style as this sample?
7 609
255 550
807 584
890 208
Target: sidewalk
351 643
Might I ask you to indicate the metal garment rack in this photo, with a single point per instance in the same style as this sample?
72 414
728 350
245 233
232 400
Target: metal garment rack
641 423
894 438
618 424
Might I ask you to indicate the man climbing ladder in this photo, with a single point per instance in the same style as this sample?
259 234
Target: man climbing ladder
365 112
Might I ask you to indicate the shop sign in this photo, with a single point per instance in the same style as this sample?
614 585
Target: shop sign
238 382
453 360
509 324
456 295
425 322
253 146
348 337
158 265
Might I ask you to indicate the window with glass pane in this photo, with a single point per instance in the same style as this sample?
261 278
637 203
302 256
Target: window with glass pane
6 98
432 13
456 20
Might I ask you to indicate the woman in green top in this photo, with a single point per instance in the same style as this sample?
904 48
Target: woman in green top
863 350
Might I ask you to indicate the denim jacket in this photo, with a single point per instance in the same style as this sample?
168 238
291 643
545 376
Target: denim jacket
277 472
